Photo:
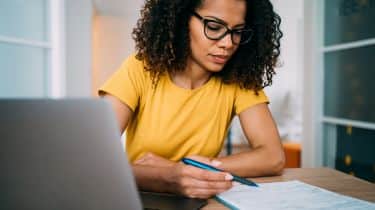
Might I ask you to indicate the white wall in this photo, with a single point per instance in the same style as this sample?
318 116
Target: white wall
112 42
288 79
78 47
292 16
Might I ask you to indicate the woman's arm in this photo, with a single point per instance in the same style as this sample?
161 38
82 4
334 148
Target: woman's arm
267 155
122 111
154 173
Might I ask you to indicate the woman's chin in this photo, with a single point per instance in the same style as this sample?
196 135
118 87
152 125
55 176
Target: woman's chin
215 67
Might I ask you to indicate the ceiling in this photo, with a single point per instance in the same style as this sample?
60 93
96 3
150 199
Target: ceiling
117 7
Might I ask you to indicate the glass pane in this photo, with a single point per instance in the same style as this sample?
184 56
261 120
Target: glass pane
349 84
349 20
23 71
355 152
25 19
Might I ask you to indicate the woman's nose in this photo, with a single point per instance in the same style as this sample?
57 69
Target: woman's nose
226 41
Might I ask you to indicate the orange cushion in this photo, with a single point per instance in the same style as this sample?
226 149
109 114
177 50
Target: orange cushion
292 154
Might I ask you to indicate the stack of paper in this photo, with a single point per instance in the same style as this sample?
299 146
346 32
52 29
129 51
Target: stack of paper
289 195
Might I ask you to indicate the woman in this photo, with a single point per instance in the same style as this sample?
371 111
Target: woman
198 63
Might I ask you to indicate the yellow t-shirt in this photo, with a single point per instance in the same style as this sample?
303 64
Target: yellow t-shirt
174 122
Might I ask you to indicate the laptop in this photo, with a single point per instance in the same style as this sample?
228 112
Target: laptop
67 154
63 154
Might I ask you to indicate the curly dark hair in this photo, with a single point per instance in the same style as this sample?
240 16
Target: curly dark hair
163 44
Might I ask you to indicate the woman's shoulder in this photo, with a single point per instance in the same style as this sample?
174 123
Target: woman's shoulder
133 61
135 67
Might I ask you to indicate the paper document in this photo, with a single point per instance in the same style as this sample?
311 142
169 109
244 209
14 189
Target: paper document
289 195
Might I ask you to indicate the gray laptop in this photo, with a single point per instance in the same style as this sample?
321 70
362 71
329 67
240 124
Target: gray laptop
63 154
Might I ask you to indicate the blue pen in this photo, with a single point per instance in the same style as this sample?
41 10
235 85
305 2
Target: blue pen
236 178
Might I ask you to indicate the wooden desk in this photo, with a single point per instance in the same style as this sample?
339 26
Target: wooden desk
326 178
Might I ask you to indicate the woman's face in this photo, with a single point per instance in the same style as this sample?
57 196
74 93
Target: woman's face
212 55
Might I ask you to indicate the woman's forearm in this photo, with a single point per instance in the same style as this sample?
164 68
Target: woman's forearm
257 162
151 178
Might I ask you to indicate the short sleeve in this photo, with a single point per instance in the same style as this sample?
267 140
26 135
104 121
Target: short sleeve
245 98
127 83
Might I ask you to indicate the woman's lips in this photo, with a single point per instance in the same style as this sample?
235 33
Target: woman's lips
219 59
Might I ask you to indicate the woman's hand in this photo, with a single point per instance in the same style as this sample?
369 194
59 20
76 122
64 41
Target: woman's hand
188 180
151 159
199 183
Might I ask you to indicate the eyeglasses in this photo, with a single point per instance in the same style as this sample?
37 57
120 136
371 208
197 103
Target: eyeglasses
215 30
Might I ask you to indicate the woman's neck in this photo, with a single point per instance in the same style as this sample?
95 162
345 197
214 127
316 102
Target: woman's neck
194 76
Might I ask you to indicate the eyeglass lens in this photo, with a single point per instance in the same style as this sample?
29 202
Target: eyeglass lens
215 30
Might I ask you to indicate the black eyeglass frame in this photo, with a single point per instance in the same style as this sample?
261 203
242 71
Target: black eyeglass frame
228 30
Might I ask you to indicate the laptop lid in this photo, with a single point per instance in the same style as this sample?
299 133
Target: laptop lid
63 154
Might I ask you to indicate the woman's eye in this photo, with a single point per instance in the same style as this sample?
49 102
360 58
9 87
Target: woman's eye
237 32
214 26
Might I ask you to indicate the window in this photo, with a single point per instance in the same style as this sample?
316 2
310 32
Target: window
343 82
31 52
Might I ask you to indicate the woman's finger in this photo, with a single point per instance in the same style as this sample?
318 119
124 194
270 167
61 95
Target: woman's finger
205 175
200 184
